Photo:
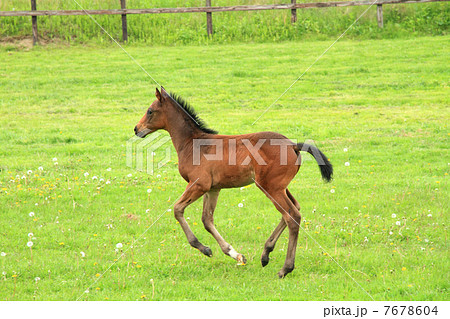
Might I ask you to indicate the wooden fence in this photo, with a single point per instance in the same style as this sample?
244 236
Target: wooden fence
208 9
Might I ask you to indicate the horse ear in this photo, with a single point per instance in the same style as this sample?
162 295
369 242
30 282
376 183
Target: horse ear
158 94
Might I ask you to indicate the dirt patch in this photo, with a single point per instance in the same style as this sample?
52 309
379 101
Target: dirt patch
131 216
25 43
20 43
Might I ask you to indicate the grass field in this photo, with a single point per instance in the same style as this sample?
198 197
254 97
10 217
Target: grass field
407 20
381 106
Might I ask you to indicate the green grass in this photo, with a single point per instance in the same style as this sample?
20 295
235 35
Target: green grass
385 101
409 20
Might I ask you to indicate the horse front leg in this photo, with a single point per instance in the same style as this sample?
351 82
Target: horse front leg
193 192
209 205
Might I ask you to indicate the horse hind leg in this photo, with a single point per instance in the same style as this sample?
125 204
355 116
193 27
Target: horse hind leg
209 205
293 200
270 243
292 218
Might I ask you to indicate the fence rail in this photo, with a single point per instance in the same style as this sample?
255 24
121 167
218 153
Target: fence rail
208 9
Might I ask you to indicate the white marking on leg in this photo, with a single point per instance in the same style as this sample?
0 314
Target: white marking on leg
232 253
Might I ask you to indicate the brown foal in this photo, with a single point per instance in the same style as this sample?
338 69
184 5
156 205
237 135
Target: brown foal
210 162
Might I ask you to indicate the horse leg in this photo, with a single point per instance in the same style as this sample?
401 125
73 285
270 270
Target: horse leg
270 243
209 205
190 195
291 217
293 200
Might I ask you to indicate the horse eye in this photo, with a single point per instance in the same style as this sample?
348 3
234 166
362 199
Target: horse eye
149 112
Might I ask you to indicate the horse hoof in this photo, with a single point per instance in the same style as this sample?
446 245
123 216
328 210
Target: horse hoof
241 259
264 261
283 272
207 251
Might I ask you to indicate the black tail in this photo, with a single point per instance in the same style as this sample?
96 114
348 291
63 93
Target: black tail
324 164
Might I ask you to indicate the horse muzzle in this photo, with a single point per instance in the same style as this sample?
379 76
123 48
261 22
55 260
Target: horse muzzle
142 133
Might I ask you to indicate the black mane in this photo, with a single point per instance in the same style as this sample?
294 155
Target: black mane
199 123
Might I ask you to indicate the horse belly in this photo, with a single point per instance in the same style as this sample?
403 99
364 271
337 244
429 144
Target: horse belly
233 176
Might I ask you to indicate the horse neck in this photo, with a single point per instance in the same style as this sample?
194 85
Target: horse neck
182 132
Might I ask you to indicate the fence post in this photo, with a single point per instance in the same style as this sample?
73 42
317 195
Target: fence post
34 23
123 5
209 26
380 15
293 12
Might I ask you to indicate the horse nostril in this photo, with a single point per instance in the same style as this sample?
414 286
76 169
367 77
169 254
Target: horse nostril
135 129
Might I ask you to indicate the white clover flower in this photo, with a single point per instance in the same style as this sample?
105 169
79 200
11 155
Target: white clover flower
332 191
242 188
147 210
56 163
149 190
40 168
393 215
37 279
398 223
94 178
158 176
366 240
119 245
240 205
3 254
29 172
82 254
30 235
55 159
169 210
422 248
426 240
86 291
23 177
390 233
30 243
346 208
101 180
429 215
31 214
347 164
108 169
129 175
86 174
107 182
345 149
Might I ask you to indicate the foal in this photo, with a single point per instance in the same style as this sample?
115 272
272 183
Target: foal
210 162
